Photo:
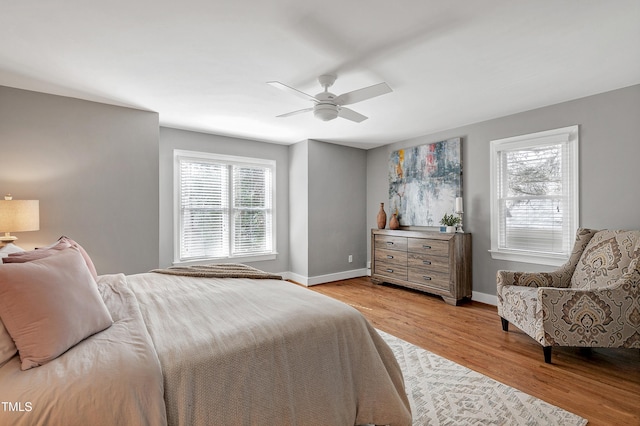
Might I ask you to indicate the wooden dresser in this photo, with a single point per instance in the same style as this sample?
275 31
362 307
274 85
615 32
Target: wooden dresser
433 262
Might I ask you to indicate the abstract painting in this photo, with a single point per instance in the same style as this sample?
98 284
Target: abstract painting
424 182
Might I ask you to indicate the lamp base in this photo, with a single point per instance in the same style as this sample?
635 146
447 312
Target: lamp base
7 238
459 227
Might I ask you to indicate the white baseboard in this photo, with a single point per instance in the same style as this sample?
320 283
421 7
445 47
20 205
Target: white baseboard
321 279
293 277
489 299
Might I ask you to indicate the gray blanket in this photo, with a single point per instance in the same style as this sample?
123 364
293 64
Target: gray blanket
267 352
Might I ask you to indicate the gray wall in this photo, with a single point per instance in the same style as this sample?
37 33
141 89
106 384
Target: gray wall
609 169
171 139
337 216
103 175
299 208
94 168
328 215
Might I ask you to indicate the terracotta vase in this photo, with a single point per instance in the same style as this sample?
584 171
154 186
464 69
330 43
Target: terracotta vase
394 223
382 217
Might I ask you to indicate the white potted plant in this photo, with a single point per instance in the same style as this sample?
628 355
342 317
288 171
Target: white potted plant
450 221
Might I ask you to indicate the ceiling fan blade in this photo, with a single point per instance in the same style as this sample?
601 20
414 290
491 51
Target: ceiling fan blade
363 94
300 111
290 89
350 114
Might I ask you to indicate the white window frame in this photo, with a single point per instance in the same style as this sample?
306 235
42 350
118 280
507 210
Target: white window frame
229 160
565 135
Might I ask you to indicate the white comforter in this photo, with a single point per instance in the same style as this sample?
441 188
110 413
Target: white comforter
224 351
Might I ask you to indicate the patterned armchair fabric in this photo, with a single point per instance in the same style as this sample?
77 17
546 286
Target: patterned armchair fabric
593 300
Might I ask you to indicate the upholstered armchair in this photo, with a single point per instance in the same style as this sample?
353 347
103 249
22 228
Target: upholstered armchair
593 300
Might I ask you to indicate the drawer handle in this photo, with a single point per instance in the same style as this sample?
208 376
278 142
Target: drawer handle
426 246
389 270
426 262
390 243
389 256
426 278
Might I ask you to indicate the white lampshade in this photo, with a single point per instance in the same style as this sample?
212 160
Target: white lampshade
18 216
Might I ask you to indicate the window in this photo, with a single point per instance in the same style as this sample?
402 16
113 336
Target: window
223 207
534 196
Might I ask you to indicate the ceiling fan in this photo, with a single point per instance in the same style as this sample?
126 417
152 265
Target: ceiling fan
328 106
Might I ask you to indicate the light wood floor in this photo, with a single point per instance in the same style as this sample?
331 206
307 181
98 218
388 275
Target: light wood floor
602 386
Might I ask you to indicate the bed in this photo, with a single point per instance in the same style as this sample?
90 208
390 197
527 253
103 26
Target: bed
190 350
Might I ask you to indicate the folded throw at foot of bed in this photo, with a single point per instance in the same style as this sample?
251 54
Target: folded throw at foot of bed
220 270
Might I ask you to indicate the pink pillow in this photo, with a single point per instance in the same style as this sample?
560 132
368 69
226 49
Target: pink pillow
63 243
50 305
84 254
41 253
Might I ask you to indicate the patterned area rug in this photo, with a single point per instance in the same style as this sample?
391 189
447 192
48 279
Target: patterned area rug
442 392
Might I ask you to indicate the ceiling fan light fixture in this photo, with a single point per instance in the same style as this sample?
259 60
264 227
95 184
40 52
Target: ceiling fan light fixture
325 112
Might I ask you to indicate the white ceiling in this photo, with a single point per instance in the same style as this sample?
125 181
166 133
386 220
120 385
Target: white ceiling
203 64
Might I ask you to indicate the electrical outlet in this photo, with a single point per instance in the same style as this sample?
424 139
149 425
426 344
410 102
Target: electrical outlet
350 258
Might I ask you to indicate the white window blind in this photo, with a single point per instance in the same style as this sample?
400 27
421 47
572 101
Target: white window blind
535 196
252 210
224 207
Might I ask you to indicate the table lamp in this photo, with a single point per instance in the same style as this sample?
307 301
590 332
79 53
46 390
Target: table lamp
18 216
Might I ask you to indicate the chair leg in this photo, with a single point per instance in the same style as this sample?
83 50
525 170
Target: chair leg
505 324
585 351
547 354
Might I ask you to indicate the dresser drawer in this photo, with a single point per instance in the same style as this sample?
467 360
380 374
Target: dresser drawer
429 262
426 246
390 242
429 278
390 270
393 257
